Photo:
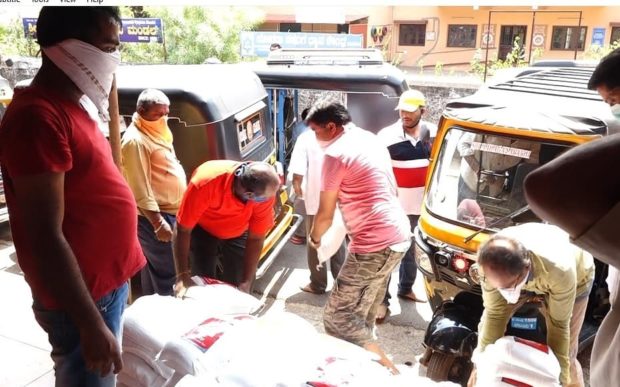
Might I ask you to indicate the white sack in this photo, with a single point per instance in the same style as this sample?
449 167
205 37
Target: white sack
333 238
138 371
183 353
513 358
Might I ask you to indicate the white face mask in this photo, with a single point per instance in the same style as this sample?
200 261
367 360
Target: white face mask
324 144
615 110
512 295
91 69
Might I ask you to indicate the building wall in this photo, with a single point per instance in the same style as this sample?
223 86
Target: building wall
384 24
439 18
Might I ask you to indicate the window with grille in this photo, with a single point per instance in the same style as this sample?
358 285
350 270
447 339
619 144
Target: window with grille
462 35
568 38
615 34
412 35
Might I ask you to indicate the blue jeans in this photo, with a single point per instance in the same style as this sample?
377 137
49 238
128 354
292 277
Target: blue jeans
408 268
64 337
159 273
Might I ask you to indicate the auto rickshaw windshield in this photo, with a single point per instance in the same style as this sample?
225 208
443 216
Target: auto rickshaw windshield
479 176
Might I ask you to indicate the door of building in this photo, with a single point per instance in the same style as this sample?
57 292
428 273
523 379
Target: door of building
507 39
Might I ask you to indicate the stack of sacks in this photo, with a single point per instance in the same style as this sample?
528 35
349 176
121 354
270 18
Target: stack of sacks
183 354
514 361
345 364
152 321
282 349
278 349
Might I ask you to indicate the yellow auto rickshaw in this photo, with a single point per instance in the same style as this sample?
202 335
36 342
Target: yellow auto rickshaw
486 145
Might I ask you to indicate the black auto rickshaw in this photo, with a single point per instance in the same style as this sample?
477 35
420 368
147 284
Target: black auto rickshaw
368 86
217 111
510 128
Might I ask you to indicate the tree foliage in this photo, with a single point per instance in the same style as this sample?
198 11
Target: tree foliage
193 34
13 42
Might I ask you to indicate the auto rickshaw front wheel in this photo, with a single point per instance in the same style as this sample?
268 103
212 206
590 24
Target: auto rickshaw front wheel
442 367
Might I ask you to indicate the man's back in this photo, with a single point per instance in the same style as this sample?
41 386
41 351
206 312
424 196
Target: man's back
558 256
359 167
43 132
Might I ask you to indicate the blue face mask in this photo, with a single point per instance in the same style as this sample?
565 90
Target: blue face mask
615 110
249 197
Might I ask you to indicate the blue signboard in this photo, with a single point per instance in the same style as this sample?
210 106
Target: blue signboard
257 43
134 30
143 30
598 36
30 27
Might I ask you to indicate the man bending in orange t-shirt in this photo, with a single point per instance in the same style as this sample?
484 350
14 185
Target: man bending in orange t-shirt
232 204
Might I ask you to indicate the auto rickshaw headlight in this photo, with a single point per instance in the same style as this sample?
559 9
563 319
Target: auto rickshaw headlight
424 261
474 274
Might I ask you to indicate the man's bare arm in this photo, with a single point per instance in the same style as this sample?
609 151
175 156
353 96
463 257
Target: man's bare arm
40 199
253 248
325 215
180 248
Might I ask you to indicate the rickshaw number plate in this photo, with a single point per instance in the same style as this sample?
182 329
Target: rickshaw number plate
525 323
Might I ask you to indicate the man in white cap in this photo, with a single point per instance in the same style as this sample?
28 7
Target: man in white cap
409 142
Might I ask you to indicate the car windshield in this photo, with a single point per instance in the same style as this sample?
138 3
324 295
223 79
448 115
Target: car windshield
479 177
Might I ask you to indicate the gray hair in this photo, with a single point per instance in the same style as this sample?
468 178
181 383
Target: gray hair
152 97
503 254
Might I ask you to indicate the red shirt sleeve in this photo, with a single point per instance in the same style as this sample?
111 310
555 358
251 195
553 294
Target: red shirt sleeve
262 220
193 205
333 173
36 141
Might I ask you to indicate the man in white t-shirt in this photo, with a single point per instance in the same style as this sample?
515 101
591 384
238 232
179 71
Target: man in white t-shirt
408 141
305 166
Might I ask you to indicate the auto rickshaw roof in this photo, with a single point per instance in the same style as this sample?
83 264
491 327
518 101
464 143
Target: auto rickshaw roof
554 100
352 71
198 94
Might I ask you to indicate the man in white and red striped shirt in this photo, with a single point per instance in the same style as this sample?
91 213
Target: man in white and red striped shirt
409 143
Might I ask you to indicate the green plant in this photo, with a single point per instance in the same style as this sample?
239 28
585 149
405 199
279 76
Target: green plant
515 58
596 52
420 64
438 68
193 34
13 41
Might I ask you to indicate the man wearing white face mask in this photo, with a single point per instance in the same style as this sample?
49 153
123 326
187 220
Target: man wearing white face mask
73 217
535 259
158 181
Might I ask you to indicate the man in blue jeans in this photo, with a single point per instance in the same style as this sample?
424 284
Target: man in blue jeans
408 141
73 217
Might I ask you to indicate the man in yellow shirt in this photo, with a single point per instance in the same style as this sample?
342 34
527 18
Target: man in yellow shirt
535 259
158 182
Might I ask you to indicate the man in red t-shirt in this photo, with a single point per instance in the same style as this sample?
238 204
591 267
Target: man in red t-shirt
232 203
73 217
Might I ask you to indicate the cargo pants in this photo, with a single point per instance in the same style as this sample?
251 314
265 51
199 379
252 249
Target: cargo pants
359 290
